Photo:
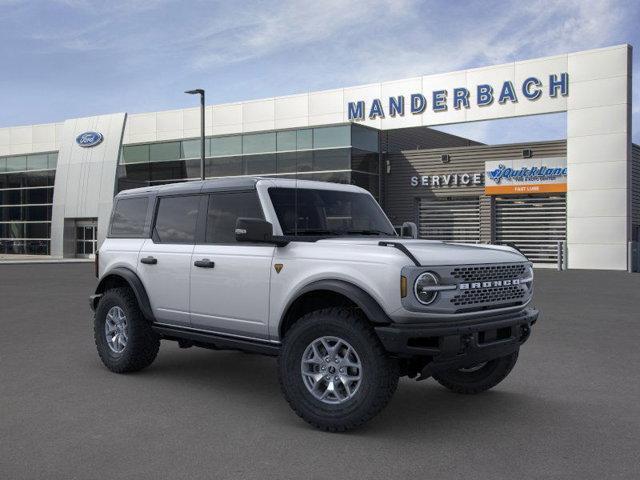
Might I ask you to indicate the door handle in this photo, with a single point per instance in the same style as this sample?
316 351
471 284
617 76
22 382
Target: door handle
149 260
204 263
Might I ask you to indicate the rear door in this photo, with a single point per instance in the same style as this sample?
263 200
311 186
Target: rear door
230 280
164 262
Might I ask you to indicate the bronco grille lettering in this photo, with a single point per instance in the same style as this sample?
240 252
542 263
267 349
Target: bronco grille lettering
493 283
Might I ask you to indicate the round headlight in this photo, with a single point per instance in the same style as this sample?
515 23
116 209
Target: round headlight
422 288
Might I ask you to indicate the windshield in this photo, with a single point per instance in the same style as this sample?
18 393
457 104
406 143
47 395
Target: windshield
328 212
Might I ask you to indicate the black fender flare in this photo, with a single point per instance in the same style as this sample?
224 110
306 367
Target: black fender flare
134 282
361 298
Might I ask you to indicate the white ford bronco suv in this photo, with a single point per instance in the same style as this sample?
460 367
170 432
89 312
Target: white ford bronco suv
315 274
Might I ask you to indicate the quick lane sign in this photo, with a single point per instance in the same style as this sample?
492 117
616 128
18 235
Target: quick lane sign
526 176
482 95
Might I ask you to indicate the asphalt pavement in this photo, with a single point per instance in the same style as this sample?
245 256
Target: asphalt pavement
569 409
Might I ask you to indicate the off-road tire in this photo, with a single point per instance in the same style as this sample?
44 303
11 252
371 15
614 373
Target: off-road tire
142 344
487 377
379 372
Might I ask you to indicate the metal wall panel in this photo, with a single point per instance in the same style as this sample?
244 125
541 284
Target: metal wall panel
635 192
533 224
450 220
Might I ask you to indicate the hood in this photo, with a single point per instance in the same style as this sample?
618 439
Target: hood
433 252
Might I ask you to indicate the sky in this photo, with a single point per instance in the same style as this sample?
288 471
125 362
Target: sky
72 58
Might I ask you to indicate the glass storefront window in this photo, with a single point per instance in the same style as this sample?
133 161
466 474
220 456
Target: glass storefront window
191 148
52 160
287 153
26 195
305 161
162 152
259 143
39 179
12 230
223 166
286 141
16 164
135 172
327 137
286 162
37 230
135 153
38 162
19 213
223 146
364 161
338 159
23 163
364 138
304 139
335 177
168 170
260 164
193 168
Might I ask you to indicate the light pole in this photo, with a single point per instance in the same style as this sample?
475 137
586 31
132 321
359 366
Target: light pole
200 92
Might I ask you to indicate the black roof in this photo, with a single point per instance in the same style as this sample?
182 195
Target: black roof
199 186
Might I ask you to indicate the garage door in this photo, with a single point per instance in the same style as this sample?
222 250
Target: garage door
534 224
450 219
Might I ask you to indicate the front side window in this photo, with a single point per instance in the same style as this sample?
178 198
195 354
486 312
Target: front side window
312 212
224 209
176 219
129 215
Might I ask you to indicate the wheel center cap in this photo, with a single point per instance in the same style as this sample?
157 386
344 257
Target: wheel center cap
332 370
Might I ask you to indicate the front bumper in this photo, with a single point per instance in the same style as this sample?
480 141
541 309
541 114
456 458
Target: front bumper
464 344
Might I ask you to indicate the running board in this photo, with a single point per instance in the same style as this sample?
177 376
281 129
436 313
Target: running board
217 341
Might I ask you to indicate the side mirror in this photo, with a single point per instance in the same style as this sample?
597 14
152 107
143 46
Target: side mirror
254 230
409 230
257 230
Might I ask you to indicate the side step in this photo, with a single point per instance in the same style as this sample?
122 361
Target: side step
217 341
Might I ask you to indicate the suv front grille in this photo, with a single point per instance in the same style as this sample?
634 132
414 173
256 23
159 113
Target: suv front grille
481 273
511 293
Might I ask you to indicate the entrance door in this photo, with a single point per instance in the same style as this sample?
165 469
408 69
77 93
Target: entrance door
451 219
534 224
86 238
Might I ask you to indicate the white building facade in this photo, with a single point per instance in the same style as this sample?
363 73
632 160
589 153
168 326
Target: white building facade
57 192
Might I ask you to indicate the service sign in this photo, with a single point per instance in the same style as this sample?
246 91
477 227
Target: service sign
526 176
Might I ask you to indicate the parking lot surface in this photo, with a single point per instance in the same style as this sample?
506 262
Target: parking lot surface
570 408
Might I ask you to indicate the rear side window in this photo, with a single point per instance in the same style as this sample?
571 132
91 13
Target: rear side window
224 209
129 216
176 219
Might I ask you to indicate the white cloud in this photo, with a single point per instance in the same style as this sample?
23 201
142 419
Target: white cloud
290 24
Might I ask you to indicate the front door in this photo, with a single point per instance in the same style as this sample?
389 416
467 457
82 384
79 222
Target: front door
164 262
86 238
230 280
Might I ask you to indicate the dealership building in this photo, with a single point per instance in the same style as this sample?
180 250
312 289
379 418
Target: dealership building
573 202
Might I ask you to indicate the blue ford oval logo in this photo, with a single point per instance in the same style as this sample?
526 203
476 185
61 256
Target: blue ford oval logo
89 139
